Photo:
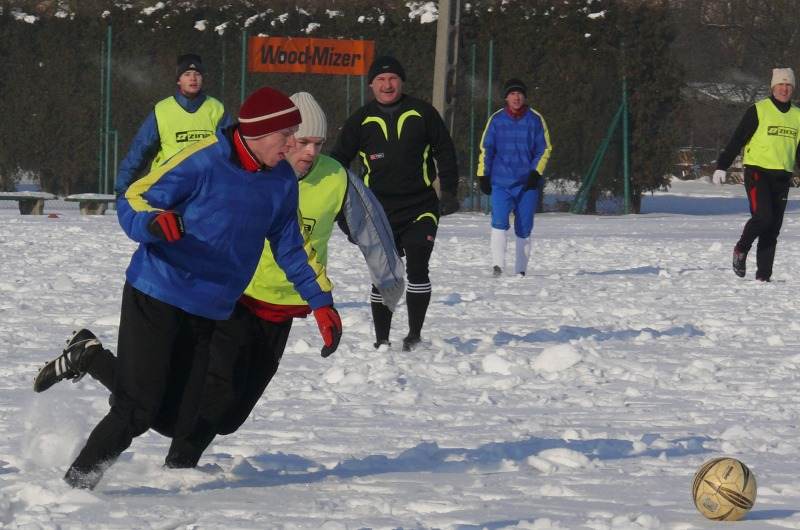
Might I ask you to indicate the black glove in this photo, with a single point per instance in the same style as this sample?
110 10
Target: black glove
485 183
167 225
448 203
330 327
533 180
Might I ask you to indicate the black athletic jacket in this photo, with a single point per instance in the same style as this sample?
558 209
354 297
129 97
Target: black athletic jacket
396 147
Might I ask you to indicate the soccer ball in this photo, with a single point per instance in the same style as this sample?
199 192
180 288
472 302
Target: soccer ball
724 489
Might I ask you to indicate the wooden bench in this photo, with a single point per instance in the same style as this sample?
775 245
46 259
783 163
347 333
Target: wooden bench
91 203
30 202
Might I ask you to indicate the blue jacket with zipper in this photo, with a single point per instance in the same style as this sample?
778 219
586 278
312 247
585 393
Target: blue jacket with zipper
228 213
511 147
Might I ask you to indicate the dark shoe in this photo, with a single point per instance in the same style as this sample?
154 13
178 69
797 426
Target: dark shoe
521 273
82 480
382 343
496 271
762 279
72 363
410 342
178 461
185 451
739 262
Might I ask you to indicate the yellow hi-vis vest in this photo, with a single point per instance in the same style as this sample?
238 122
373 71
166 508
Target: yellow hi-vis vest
178 128
322 193
774 144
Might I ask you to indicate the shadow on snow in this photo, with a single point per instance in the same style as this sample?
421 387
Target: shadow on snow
680 204
283 469
567 333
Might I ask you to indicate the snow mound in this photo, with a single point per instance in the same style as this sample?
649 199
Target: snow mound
556 359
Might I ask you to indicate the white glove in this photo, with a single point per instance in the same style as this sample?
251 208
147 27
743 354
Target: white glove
718 177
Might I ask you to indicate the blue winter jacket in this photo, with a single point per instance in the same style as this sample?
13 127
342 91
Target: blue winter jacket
146 143
513 147
227 213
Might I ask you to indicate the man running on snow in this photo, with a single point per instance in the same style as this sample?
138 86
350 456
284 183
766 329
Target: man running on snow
769 133
396 138
247 348
514 151
201 220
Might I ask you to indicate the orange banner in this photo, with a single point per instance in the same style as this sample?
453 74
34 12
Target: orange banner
310 56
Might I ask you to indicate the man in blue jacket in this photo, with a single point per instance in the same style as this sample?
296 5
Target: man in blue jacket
174 123
201 220
514 151
246 349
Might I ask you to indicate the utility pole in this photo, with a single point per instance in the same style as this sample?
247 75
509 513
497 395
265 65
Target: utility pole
444 69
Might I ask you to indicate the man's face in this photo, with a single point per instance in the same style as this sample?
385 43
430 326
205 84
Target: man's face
783 92
387 88
190 83
271 148
515 100
304 153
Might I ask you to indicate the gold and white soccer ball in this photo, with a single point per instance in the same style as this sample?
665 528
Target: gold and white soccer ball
724 489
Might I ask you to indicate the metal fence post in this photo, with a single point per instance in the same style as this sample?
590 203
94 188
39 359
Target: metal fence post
472 129
625 160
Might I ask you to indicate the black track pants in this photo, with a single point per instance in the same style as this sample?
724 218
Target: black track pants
158 379
414 241
767 194
245 354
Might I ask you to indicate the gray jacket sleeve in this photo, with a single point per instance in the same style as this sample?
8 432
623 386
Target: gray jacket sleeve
369 228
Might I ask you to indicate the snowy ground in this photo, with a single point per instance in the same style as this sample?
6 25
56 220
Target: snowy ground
582 396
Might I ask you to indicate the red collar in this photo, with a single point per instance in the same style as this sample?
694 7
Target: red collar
517 115
246 157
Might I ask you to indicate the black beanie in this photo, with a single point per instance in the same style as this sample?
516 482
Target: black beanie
187 62
514 85
385 64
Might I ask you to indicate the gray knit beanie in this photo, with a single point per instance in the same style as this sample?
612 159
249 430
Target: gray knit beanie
314 123
782 75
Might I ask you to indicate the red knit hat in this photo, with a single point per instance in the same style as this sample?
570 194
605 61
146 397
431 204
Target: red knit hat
266 111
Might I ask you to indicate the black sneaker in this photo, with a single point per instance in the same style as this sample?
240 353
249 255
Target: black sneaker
763 279
71 364
496 271
410 342
382 343
739 262
83 480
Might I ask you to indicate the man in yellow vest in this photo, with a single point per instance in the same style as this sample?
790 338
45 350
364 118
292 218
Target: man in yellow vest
247 348
174 123
768 132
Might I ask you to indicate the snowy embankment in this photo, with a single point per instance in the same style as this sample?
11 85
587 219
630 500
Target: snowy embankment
581 396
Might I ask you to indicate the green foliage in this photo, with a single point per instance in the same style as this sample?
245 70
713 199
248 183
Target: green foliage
571 54
655 103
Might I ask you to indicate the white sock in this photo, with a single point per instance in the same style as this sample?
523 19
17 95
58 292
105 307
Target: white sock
498 247
523 254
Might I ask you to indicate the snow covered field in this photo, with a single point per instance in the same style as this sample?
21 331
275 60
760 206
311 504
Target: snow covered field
582 396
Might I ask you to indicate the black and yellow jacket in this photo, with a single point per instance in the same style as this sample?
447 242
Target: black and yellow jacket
396 147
